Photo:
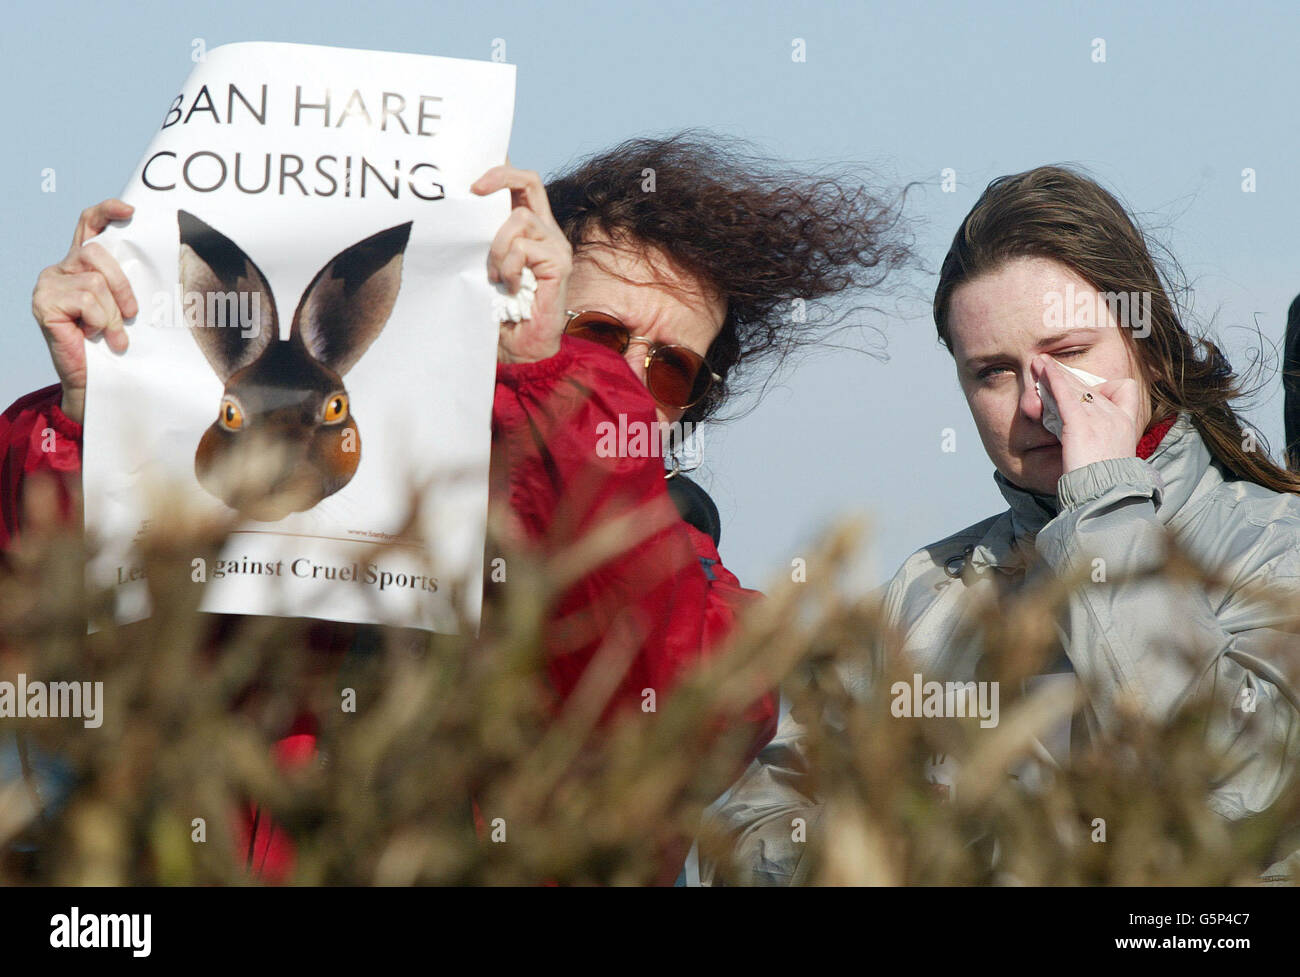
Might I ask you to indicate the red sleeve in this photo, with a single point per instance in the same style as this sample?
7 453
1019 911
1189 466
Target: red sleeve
661 597
36 437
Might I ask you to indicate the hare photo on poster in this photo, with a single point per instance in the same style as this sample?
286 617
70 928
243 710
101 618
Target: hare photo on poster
1052 416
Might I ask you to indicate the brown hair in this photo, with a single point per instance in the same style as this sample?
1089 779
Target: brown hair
751 231
1054 212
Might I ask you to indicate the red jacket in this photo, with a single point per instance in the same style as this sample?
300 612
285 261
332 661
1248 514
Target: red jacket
669 590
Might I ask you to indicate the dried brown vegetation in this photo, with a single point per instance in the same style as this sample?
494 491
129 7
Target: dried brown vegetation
443 722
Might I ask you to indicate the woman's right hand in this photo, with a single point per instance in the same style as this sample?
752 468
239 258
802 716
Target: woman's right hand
82 296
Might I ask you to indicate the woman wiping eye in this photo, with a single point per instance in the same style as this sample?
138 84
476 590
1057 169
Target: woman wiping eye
992 371
1110 454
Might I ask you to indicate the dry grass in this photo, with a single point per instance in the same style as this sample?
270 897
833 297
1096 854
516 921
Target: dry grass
446 720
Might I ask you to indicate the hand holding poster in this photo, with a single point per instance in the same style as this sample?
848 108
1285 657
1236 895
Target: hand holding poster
315 340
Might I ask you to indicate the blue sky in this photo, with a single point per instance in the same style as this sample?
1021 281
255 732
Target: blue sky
1190 94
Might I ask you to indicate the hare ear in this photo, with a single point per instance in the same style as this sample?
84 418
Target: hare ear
347 304
212 263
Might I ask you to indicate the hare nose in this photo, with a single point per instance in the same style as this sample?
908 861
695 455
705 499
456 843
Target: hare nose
286 433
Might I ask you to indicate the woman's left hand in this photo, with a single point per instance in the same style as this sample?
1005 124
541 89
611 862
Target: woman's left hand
530 238
1095 428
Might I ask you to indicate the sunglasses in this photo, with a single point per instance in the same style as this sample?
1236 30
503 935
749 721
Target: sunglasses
677 376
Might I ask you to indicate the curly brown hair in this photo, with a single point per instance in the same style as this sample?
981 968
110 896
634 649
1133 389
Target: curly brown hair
775 243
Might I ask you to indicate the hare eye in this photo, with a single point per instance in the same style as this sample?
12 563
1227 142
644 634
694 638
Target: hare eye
336 409
232 418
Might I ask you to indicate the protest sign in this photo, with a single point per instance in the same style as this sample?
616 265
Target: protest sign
315 339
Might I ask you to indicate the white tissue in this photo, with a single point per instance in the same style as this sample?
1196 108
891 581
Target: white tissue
1052 416
517 307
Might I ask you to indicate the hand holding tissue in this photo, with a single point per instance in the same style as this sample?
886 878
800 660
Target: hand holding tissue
1051 415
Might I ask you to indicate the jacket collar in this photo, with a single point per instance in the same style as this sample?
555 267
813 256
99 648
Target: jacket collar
1181 460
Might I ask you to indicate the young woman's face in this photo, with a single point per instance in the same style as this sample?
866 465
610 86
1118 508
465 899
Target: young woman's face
998 324
649 297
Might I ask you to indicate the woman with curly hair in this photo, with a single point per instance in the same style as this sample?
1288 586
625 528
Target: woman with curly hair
674 292
664 269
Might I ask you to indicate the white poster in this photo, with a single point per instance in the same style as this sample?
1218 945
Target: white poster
315 337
